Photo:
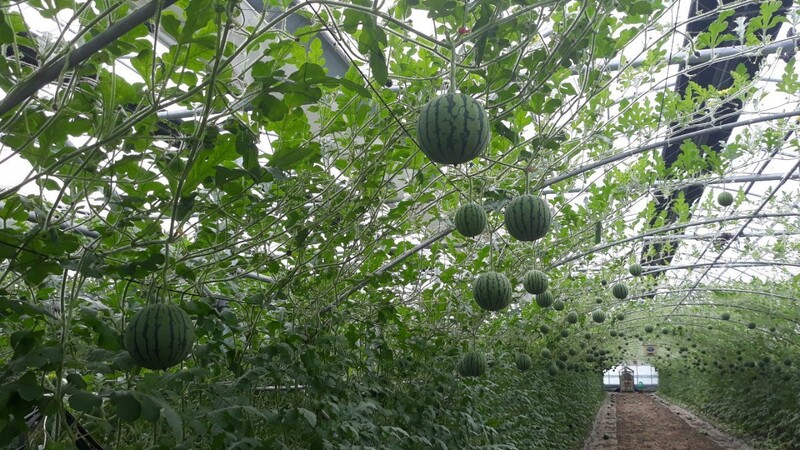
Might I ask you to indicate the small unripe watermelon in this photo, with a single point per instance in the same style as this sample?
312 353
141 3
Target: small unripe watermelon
751 325
492 291
726 316
613 333
620 316
545 353
470 219
552 369
564 333
558 305
453 129
620 291
544 329
648 328
572 317
159 336
725 198
523 363
545 299
473 364
599 316
535 282
528 218
635 269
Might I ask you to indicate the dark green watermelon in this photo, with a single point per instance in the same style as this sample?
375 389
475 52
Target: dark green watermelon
492 291
527 218
470 219
473 364
159 336
453 129
535 282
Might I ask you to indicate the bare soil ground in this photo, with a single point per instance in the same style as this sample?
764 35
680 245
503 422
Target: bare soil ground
644 423
648 422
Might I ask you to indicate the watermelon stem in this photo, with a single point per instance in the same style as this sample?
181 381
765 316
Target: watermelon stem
452 87
491 250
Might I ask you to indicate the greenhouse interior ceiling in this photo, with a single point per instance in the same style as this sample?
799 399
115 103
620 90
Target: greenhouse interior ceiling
394 224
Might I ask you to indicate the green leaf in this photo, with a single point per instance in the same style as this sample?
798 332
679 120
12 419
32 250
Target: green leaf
377 62
128 408
6 33
286 158
84 401
310 417
28 388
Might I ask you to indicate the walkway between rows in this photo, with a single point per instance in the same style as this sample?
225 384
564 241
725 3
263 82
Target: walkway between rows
646 422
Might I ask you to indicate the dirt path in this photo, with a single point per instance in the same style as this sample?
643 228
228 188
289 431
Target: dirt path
647 422
643 422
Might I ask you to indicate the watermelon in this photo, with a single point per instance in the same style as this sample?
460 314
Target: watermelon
535 282
751 325
572 317
599 316
664 331
544 299
545 353
598 300
726 316
552 369
159 336
470 219
544 329
453 129
523 362
613 333
558 305
620 316
725 199
620 291
492 291
527 218
473 364
648 328
564 333
635 269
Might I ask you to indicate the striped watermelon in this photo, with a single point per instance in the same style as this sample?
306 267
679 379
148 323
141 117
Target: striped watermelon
552 369
648 328
159 336
620 316
527 218
470 219
558 305
635 269
473 364
492 291
544 299
546 353
572 317
620 291
564 333
726 316
535 282
523 362
599 316
751 325
453 129
725 198
544 329
613 333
